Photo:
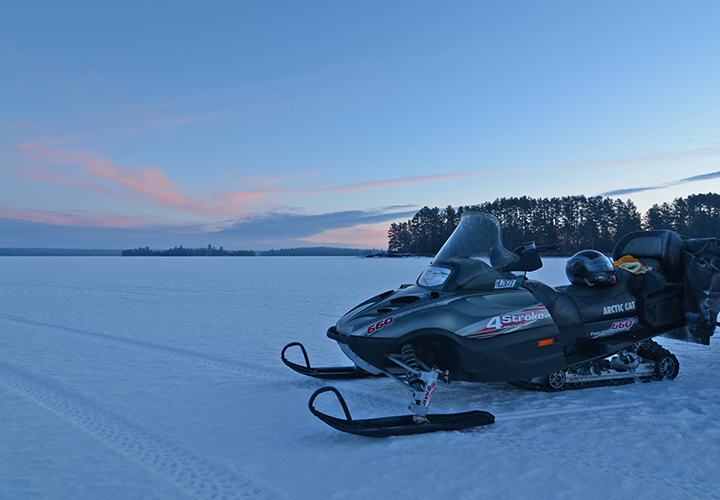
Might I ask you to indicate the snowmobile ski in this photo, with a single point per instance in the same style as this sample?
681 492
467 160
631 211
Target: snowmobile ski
401 425
327 373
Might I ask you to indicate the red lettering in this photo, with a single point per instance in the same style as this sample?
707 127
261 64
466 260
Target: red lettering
428 393
623 325
380 324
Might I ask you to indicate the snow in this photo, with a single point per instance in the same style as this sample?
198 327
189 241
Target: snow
137 378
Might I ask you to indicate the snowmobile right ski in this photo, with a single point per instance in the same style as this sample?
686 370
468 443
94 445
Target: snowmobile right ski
327 373
401 425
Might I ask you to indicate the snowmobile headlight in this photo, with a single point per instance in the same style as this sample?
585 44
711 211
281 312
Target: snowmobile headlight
434 276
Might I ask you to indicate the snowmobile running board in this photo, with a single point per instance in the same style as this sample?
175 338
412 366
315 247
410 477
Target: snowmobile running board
334 373
402 425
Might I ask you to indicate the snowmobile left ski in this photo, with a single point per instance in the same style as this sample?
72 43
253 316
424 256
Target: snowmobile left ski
473 315
401 425
420 380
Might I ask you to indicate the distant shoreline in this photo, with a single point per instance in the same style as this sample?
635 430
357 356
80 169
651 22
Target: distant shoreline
289 252
58 252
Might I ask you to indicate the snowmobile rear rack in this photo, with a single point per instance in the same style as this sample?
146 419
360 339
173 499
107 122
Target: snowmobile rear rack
401 425
333 373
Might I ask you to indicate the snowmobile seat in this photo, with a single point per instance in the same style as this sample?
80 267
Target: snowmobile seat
562 309
572 306
592 302
660 249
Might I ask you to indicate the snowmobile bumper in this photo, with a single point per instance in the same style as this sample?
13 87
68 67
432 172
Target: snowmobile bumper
332 372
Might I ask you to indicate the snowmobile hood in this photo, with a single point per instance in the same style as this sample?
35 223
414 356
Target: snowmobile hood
473 261
412 307
383 307
473 258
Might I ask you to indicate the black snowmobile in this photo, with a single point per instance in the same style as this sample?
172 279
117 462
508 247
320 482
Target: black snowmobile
474 316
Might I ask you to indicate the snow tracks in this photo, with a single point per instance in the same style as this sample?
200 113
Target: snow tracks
244 369
201 477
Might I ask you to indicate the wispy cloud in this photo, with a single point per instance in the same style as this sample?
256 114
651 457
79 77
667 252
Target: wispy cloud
274 230
637 160
143 185
149 185
392 183
274 227
163 122
73 219
695 178
27 232
152 187
364 236
248 215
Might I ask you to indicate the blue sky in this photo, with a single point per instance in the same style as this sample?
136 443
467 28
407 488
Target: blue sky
273 124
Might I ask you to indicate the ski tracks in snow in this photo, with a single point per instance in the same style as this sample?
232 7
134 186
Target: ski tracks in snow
157 349
199 476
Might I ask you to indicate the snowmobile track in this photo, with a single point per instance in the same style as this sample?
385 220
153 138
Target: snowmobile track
199 476
147 347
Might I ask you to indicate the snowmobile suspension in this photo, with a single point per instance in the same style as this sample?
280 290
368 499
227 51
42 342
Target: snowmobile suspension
419 378
411 373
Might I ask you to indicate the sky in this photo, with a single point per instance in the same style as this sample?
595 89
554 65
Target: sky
276 124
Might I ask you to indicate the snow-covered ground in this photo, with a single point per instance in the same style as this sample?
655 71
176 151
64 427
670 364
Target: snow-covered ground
139 378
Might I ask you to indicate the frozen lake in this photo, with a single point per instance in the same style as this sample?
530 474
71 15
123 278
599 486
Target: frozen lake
137 378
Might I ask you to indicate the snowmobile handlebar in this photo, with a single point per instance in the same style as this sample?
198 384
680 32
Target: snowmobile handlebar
529 257
532 246
544 248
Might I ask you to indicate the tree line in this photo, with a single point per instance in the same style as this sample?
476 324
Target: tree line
181 251
211 251
573 222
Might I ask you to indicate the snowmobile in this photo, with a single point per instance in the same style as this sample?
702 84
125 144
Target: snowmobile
473 315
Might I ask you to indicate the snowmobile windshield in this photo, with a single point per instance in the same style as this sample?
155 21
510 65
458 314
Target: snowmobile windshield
472 258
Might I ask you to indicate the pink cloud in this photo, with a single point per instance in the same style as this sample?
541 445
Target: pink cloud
69 219
393 183
152 187
145 181
358 236
231 197
150 182
145 185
